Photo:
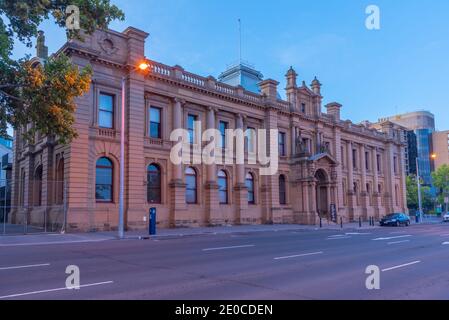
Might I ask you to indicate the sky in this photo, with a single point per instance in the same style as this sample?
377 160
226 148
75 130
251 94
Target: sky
373 73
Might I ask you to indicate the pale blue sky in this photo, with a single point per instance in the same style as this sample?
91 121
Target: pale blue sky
403 67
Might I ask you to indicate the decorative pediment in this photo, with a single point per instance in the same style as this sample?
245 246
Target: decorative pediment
323 157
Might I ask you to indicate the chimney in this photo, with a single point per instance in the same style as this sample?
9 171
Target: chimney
333 109
41 48
269 89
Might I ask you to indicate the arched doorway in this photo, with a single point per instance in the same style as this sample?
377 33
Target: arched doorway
322 201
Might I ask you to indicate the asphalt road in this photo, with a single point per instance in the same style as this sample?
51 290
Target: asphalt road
321 264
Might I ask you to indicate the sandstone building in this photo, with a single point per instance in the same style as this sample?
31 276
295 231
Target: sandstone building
325 162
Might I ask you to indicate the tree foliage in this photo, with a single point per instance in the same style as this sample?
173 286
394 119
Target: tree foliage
441 181
44 96
412 195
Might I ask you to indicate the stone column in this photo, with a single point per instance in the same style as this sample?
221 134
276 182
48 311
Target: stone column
350 191
177 185
211 187
241 192
403 187
389 178
364 191
376 195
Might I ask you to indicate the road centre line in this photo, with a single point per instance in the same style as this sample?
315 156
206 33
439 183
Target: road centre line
401 266
339 238
391 238
229 248
54 290
25 266
299 255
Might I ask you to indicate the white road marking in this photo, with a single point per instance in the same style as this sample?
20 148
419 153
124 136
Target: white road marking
397 232
299 255
26 266
391 238
357 234
401 266
339 238
53 290
228 248
445 243
397 242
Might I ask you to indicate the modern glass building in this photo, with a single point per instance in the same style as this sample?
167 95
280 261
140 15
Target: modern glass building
421 125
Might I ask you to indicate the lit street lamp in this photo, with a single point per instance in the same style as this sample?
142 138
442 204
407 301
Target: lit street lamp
121 223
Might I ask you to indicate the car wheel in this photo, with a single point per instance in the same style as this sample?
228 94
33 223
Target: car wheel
398 224
407 224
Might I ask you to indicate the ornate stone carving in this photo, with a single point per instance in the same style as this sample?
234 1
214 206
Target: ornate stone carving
107 45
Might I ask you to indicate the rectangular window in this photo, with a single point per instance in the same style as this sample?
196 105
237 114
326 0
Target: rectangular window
282 144
155 123
303 107
106 111
378 163
251 139
223 126
354 158
395 165
343 161
367 161
191 119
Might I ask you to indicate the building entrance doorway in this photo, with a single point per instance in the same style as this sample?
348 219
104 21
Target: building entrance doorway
322 201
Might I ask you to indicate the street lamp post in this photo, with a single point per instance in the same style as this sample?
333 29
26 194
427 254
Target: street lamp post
418 179
121 220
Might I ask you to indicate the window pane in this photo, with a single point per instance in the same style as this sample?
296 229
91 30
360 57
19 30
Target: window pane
155 115
106 102
104 176
104 162
251 197
155 130
190 196
105 119
103 192
223 197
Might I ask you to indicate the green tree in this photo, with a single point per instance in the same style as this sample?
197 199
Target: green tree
412 195
44 96
441 181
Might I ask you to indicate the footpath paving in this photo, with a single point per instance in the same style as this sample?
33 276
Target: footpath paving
57 238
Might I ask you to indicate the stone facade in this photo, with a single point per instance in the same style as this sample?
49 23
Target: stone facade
327 160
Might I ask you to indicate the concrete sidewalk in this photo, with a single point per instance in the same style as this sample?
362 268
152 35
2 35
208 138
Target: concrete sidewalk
54 239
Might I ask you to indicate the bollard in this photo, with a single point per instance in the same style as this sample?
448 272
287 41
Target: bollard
360 222
341 222
321 222
152 222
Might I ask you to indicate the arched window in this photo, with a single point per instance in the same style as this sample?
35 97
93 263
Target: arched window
191 186
37 187
103 182
60 182
250 187
153 184
380 193
222 187
282 190
345 193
